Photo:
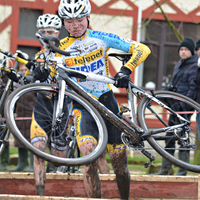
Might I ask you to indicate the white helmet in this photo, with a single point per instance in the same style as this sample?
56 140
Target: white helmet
69 9
49 21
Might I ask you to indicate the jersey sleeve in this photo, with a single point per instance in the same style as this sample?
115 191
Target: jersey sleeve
139 51
139 54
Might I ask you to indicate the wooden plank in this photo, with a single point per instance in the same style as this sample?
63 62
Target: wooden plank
65 185
111 177
23 197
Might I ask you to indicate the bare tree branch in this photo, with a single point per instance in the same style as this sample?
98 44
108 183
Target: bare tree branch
176 32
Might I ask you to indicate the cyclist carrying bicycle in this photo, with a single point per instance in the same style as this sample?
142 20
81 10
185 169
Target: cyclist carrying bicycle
90 48
49 25
89 53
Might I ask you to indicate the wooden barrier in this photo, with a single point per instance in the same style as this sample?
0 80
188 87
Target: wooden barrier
71 185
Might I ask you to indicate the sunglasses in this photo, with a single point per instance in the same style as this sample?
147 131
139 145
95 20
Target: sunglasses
49 32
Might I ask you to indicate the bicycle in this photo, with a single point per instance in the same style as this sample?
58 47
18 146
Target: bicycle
6 89
162 105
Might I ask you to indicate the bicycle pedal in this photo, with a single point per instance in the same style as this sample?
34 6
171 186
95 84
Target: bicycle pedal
148 155
147 164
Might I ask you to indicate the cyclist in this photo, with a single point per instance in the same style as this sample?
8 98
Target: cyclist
49 24
90 55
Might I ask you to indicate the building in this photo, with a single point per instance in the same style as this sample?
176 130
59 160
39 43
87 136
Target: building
18 20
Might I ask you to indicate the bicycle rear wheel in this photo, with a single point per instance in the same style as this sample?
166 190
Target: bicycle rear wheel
168 144
50 92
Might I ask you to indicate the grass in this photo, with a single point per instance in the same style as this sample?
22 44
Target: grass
135 165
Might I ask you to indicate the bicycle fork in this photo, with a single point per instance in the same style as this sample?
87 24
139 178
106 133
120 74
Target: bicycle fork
58 104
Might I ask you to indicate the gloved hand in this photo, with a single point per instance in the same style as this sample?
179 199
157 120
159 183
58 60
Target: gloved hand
31 64
11 74
22 54
40 73
122 78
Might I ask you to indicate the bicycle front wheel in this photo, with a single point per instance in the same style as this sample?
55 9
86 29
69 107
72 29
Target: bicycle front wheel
50 92
180 146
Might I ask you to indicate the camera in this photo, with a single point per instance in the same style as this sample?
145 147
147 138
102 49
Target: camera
171 88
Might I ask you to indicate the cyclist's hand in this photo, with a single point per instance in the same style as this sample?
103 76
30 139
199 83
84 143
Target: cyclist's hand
22 55
31 64
40 73
122 77
11 74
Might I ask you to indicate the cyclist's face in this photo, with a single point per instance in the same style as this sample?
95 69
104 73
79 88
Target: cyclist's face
76 26
185 53
49 32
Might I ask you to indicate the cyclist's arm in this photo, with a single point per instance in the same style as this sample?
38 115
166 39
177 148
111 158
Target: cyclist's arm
139 51
139 54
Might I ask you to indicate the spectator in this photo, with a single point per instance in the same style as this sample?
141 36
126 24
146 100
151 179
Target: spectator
184 81
197 99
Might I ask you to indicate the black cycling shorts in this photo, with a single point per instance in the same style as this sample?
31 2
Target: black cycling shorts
86 128
41 125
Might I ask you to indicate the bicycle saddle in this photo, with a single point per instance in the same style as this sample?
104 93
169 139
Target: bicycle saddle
121 56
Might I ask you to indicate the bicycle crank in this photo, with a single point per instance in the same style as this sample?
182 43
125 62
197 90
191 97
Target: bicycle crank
134 147
137 147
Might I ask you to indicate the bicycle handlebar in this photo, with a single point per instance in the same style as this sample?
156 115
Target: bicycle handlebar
17 58
53 43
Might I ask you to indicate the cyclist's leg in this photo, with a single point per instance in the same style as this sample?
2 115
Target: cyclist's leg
39 169
120 167
39 130
103 165
90 173
117 150
87 141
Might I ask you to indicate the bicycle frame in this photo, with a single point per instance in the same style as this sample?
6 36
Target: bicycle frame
134 90
134 132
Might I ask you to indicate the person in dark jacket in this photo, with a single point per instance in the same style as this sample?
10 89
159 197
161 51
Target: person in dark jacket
197 99
183 79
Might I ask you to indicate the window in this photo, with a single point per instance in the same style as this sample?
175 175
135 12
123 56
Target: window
159 36
27 23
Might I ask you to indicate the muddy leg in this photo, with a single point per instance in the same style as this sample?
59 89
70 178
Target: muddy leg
120 167
39 169
90 175
103 165
57 153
